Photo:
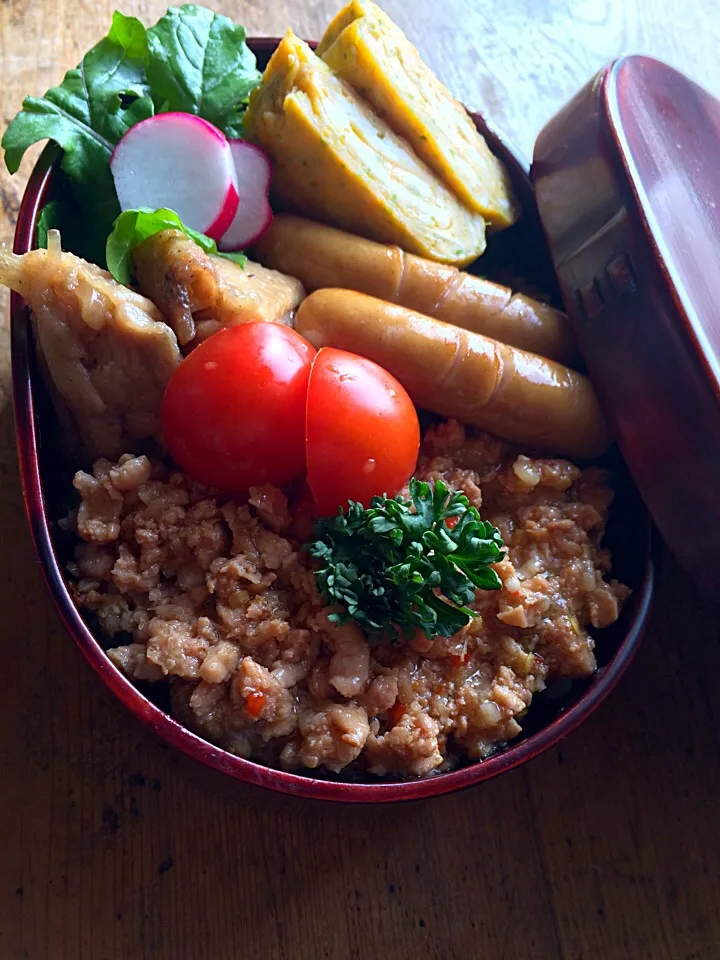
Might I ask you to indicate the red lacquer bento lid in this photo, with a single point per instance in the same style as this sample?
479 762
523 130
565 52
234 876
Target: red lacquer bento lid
627 178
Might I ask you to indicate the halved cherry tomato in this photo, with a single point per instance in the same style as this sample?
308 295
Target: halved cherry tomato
233 414
362 431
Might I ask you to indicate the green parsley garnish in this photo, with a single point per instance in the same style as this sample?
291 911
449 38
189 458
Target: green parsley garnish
398 566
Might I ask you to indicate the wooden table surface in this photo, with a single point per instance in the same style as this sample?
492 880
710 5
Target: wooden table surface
607 847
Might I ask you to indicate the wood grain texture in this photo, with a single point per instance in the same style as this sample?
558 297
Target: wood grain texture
607 848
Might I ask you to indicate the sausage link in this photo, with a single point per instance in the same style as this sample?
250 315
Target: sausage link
322 256
513 393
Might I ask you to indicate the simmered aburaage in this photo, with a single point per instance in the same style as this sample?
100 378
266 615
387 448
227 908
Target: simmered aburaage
200 293
110 351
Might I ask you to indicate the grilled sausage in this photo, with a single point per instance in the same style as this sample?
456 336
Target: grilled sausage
513 393
322 256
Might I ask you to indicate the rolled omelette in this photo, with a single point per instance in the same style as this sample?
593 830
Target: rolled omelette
364 47
336 161
321 256
455 373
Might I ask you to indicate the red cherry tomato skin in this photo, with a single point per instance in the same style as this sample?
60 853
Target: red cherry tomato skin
362 431
233 413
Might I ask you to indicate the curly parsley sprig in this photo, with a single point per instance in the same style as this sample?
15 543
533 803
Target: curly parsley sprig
399 566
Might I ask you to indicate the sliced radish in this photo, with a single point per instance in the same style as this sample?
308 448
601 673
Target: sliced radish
252 173
179 161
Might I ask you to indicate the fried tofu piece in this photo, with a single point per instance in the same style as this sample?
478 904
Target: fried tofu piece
108 351
364 47
336 161
178 277
199 293
254 292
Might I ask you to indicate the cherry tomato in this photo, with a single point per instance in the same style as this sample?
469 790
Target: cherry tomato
362 431
233 414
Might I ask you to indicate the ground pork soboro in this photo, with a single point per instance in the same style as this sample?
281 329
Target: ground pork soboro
217 598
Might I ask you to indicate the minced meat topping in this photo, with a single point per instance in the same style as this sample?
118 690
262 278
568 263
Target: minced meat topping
217 598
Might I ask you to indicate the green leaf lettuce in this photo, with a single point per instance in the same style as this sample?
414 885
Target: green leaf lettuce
199 63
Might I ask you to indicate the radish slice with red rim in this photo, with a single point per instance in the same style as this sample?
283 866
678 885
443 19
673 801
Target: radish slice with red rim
252 174
182 162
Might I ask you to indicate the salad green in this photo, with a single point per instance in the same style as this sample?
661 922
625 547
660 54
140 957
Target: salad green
198 62
192 60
